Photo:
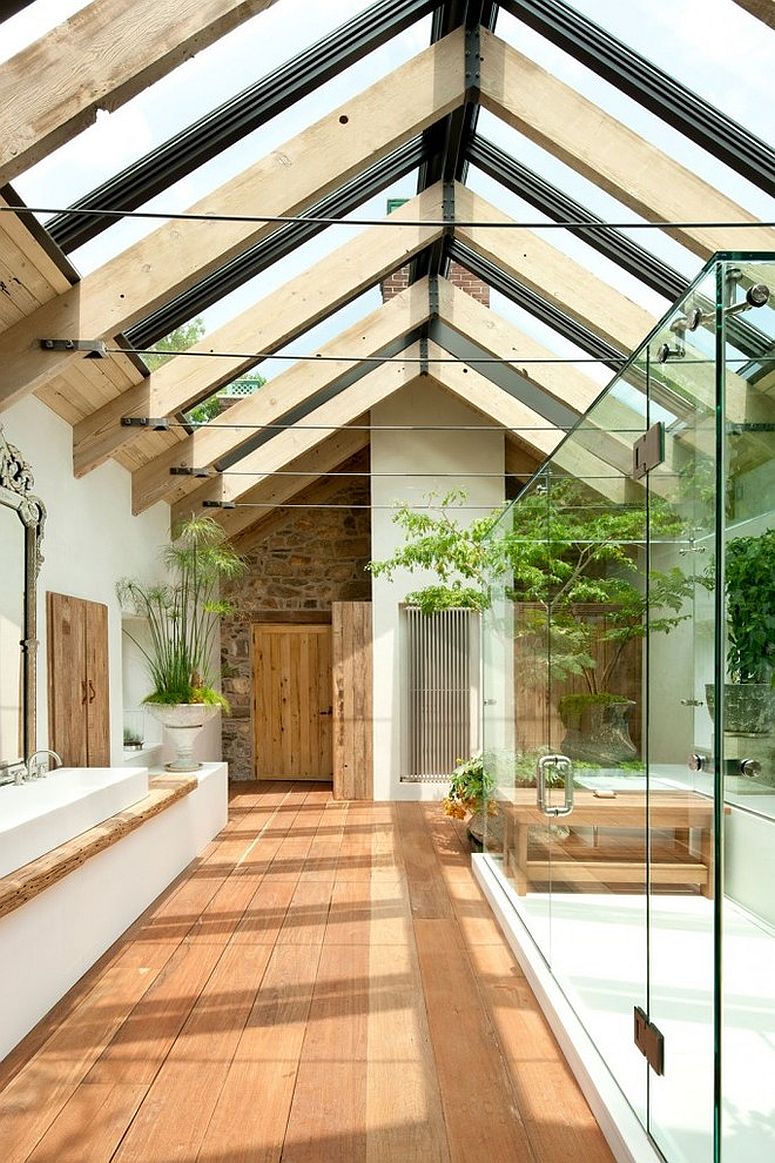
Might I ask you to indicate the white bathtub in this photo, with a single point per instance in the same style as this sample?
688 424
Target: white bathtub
42 814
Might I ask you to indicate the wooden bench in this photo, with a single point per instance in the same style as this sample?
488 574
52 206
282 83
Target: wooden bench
613 857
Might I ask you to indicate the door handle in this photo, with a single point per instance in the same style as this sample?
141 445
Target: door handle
330 711
84 692
92 692
563 765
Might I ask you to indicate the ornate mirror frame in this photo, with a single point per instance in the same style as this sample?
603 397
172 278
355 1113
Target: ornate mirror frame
16 483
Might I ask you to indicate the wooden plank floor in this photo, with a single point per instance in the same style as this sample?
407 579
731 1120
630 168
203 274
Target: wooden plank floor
326 983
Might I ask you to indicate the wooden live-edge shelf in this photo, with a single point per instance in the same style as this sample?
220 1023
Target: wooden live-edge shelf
21 885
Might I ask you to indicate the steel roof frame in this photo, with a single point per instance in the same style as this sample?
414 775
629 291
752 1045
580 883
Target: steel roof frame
523 297
650 86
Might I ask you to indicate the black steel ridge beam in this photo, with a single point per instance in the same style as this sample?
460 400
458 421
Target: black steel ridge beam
503 375
299 413
448 141
524 297
557 205
230 122
656 90
275 247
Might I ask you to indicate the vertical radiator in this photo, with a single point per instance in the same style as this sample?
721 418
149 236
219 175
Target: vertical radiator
441 681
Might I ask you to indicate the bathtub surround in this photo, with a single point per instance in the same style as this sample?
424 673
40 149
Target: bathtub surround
39 815
50 941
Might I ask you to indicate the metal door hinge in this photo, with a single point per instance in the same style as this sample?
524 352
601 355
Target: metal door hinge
650 1041
648 451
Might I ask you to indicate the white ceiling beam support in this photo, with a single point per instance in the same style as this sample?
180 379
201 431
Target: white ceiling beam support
98 59
172 258
608 153
295 307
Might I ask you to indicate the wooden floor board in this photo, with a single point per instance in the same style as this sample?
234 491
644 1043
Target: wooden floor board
325 983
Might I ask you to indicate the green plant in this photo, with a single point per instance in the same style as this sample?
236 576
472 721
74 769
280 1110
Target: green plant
132 738
470 790
182 614
750 592
570 552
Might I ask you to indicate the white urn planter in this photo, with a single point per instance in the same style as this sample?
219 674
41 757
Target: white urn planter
183 722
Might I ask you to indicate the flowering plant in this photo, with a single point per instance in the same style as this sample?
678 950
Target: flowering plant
470 789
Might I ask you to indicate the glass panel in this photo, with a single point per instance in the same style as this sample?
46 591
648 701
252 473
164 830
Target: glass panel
615 589
597 851
516 730
747 744
681 628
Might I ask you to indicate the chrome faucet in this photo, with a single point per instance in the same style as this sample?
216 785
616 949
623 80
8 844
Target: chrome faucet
33 770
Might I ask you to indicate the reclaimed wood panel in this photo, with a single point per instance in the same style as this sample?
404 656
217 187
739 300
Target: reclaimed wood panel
27 882
351 646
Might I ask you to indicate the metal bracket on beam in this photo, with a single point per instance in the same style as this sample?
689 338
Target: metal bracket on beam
155 423
218 505
473 64
424 355
183 470
433 296
94 348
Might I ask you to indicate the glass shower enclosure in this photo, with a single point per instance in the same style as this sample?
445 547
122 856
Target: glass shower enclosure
629 720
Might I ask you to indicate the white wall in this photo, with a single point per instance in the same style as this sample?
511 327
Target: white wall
91 540
410 453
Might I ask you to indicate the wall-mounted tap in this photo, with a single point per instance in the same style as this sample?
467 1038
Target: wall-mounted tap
33 769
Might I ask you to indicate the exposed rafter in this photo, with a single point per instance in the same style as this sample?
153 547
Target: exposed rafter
761 9
230 122
653 88
500 280
398 318
344 407
57 103
560 207
268 325
611 155
282 242
325 155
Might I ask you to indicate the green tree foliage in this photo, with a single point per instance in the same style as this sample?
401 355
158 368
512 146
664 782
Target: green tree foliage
566 549
180 339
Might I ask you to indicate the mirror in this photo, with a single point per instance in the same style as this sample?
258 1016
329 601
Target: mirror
22 516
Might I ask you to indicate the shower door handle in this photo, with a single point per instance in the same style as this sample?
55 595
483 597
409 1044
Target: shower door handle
562 765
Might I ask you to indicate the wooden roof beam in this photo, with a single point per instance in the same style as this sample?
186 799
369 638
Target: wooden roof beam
272 492
99 58
272 322
608 153
396 318
601 308
287 446
175 256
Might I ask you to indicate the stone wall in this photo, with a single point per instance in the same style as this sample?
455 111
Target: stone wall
300 561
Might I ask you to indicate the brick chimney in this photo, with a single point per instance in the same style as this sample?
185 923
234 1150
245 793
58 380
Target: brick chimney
458 276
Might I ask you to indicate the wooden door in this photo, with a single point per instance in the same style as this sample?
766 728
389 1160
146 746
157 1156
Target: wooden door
98 685
67 689
292 708
78 686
